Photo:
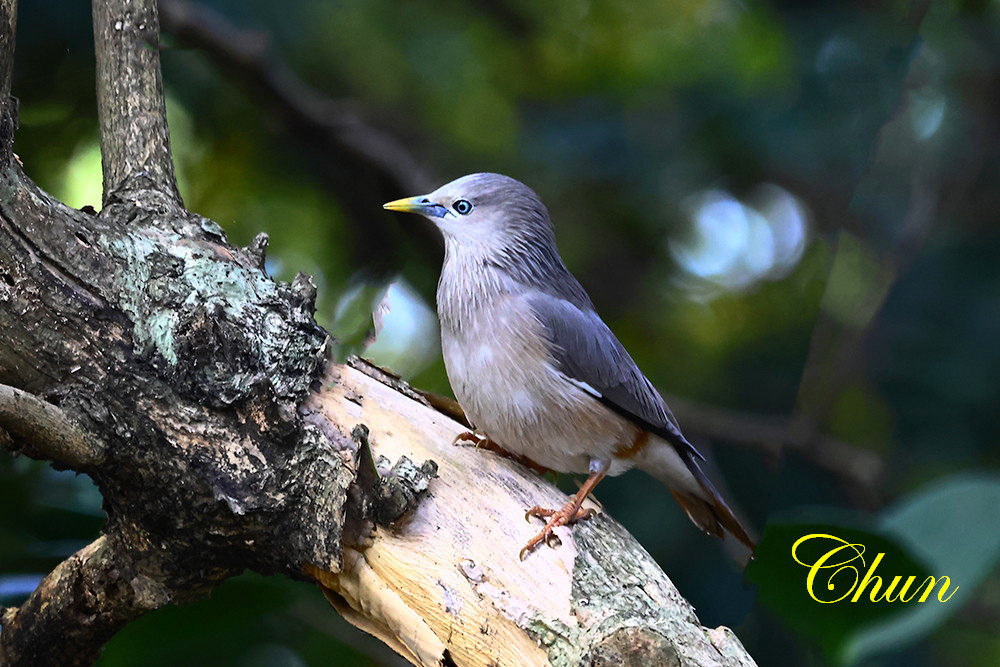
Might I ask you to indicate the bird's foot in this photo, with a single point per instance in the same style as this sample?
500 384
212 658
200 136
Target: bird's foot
484 442
569 514
473 438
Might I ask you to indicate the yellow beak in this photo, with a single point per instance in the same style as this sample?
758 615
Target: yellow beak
420 204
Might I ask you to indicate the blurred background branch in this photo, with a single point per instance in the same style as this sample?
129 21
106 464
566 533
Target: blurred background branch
333 126
356 160
858 469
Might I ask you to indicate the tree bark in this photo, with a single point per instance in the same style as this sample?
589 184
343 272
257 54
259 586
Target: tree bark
86 599
135 143
165 363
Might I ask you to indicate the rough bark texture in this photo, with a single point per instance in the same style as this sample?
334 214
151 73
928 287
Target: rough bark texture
135 143
222 441
85 600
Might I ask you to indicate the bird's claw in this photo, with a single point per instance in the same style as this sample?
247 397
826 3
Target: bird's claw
537 512
566 516
470 438
484 442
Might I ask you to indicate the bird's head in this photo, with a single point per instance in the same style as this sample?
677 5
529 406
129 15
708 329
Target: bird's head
485 213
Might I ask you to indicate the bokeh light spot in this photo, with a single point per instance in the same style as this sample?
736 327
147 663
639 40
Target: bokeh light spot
734 245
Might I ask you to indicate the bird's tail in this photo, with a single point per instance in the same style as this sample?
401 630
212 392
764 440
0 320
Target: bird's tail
693 491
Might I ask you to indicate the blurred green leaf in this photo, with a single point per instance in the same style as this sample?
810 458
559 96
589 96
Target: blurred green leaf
782 582
954 527
353 324
248 621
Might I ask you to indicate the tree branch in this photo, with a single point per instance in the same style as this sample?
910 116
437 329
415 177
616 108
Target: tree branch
8 105
43 431
8 31
215 466
446 582
859 469
837 347
135 143
76 609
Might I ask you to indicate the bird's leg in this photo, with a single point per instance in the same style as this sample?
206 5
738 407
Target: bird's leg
473 438
481 441
570 513
484 442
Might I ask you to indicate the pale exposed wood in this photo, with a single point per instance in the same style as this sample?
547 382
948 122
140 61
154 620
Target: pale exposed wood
448 576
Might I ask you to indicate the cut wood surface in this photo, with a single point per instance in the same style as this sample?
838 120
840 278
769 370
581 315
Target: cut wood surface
445 583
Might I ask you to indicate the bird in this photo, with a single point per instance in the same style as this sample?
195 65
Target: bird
534 367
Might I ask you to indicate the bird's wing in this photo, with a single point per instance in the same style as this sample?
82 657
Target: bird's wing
589 354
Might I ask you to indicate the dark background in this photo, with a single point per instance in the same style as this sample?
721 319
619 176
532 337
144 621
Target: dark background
786 211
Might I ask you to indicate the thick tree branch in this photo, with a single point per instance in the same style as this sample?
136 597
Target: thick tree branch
446 582
192 374
212 471
77 608
43 431
135 143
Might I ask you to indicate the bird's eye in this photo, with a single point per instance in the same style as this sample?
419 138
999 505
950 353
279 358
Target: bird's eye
462 207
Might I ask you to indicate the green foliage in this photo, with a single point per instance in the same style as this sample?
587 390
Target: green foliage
948 529
251 621
782 582
954 528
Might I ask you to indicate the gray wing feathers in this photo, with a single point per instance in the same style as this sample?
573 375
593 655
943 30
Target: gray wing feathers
586 350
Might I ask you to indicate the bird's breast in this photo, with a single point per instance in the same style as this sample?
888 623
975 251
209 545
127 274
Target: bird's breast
498 362
503 375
